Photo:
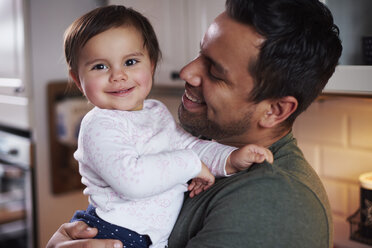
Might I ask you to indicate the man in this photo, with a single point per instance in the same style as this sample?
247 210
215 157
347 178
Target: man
261 64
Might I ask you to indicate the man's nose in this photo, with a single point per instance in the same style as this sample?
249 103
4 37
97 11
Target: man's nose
118 75
192 72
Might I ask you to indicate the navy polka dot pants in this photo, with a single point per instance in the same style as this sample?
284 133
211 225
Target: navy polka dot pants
129 238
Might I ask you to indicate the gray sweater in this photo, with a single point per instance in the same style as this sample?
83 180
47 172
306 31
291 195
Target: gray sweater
282 204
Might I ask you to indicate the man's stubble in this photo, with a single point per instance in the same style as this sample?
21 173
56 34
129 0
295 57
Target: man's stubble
200 125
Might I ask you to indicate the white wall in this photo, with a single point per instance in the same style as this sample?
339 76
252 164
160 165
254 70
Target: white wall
335 135
48 20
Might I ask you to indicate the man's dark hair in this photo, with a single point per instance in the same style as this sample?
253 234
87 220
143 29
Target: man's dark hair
300 52
101 19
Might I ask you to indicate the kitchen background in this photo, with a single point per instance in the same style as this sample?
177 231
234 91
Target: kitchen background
335 133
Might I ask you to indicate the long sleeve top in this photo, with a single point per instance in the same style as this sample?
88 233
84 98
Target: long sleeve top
283 204
135 165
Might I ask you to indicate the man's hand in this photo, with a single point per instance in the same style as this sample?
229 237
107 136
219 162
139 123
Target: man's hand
79 235
245 156
201 182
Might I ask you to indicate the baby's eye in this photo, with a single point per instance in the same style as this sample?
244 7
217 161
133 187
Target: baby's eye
130 62
99 67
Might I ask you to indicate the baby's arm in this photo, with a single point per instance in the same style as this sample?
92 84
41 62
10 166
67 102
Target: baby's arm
245 156
238 160
224 160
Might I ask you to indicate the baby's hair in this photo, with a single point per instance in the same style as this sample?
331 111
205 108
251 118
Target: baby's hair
102 19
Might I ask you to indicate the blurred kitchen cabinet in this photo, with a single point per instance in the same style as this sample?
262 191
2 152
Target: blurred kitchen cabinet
354 19
353 75
12 45
179 26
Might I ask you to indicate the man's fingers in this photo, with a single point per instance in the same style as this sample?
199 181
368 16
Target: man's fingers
65 235
83 234
78 230
91 243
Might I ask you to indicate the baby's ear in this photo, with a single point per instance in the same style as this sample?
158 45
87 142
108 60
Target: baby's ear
76 80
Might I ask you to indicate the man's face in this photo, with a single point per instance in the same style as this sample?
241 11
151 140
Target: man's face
218 83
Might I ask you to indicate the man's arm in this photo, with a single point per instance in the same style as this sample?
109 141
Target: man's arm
79 235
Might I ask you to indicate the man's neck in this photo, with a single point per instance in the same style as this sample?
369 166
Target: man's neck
265 139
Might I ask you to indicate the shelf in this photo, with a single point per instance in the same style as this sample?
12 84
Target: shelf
64 168
351 80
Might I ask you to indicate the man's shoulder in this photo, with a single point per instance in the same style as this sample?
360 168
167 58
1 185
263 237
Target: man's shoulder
288 192
276 205
263 207
272 179
265 201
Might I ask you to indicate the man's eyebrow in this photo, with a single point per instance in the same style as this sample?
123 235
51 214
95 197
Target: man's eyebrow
219 68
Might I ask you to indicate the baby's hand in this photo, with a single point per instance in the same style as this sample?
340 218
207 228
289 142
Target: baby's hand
201 182
245 156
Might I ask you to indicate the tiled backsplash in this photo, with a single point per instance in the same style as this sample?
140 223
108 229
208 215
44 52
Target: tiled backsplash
335 134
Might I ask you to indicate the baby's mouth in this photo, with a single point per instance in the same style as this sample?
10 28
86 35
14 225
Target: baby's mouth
121 91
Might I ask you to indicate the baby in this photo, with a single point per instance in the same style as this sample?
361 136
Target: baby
133 158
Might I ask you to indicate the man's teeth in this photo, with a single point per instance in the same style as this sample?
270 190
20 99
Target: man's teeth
191 98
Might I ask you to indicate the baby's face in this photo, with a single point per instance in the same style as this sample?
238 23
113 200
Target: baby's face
114 70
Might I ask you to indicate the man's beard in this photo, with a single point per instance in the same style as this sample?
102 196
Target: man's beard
200 125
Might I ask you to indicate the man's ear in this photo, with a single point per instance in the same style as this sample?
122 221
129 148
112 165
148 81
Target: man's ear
76 80
278 111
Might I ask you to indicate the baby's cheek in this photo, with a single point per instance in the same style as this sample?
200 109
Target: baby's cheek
145 80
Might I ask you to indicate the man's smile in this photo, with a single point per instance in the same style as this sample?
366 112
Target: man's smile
191 101
192 98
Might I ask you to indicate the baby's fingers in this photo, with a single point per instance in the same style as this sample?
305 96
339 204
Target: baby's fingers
269 156
207 186
261 154
197 189
194 192
191 185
